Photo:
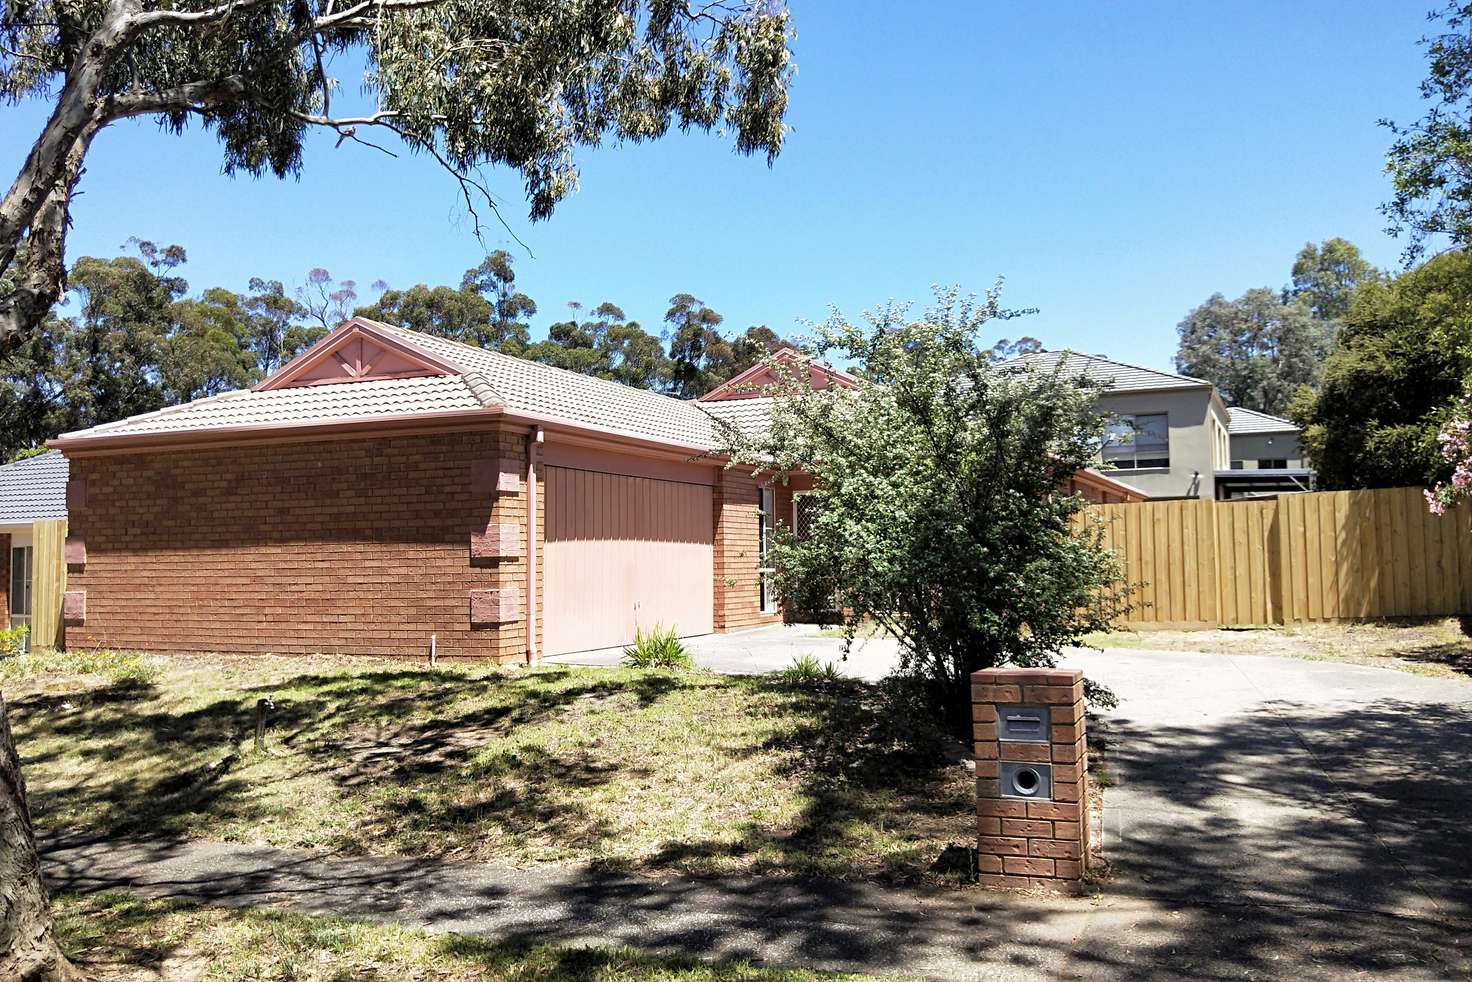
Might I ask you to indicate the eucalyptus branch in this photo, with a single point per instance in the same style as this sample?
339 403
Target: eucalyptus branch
469 186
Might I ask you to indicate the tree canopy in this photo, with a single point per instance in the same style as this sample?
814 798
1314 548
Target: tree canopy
468 83
1392 379
135 339
1430 162
937 512
1260 348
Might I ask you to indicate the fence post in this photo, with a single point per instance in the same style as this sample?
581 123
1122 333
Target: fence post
1031 778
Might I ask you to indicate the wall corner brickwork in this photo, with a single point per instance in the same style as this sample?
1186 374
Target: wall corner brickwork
1031 778
355 546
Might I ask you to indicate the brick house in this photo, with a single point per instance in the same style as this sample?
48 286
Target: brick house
388 487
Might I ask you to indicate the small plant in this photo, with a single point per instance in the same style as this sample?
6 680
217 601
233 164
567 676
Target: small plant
13 641
660 648
806 670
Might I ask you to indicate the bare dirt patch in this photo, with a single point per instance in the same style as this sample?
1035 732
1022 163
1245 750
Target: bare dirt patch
1439 647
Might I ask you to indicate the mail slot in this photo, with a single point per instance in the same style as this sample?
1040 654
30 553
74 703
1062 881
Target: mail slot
1028 723
1026 780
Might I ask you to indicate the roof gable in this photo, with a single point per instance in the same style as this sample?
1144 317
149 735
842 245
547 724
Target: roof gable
359 351
750 383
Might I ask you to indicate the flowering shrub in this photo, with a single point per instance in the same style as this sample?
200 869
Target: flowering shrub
1455 440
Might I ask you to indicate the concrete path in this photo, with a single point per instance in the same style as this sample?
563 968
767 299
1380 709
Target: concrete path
768 649
945 934
1268 818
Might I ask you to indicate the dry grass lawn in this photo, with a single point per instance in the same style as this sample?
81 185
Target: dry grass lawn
644 771
113 938
1439 647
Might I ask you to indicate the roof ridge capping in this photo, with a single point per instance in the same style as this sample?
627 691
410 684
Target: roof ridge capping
494 353
482 390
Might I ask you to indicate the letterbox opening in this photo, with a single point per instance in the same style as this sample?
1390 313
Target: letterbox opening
1023 780
1024 723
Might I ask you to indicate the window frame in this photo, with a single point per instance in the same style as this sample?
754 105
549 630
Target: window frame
1135 461
766 523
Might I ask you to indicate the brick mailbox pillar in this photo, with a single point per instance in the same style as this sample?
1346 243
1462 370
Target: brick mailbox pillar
1031 778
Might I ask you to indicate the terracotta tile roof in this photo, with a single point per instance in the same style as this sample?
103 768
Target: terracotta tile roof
547 392
748 416
1114 375
1241 421
33 489
490 379
307 404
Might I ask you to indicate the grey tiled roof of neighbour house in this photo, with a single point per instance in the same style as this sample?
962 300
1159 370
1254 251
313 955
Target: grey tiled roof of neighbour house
1115 375
1243 421
33 489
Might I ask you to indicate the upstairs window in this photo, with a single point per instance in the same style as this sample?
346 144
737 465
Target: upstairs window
1137 442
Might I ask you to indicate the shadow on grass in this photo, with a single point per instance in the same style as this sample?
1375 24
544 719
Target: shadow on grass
432 762
1292 840
862 776
412 731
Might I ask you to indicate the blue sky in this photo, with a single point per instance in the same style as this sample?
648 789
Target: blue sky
1117 163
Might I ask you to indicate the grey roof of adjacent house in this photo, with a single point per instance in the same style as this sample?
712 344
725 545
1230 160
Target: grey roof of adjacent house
1116 375
1244 421
33 489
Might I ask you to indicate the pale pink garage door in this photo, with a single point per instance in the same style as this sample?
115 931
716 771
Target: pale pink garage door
622 552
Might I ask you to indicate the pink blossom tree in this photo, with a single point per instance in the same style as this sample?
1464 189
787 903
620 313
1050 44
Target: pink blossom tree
1455 440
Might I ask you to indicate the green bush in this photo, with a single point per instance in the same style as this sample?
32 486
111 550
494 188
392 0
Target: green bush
660 648
13 641
936 511
806 670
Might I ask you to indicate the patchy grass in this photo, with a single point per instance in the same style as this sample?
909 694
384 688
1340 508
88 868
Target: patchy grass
1439 647
115 937
115 666
682 772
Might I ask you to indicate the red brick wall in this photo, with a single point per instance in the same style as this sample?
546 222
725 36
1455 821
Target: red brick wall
352 546
737 551
1032 843
4 581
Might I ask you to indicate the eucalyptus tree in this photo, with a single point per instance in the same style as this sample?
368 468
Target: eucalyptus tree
469 83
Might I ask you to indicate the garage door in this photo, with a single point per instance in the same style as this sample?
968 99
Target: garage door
624 551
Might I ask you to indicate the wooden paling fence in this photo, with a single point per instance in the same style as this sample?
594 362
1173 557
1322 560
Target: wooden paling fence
1324 556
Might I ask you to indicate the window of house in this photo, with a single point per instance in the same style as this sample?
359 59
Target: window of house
20 586
1238 465
1138 441
1273 464
767 509
804 504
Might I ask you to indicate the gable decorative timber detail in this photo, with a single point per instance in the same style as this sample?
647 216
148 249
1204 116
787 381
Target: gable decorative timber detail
358 352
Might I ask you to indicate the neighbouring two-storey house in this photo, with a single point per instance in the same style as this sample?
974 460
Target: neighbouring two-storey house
1172 436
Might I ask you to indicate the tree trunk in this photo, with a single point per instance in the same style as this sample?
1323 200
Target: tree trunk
28 948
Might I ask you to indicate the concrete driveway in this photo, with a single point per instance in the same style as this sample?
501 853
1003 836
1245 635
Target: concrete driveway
768 649
1327 802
